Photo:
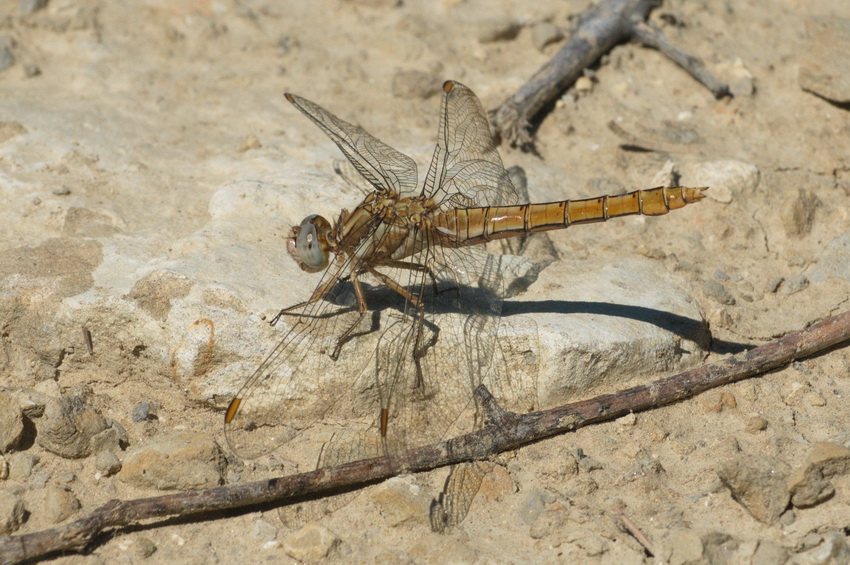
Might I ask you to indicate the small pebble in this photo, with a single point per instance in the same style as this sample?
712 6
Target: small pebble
498 30
756 424
142 412
12 512
313 542
718 292
145 548
21 465
59 504
107 463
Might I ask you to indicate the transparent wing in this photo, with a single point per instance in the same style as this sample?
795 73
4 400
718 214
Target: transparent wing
466 169
382 166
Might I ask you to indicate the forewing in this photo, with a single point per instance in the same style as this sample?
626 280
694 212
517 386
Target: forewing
382 166
466 169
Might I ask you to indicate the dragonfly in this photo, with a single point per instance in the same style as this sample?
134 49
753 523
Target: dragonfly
386 352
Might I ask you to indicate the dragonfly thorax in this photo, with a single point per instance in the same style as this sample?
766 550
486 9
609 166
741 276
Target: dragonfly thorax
309 244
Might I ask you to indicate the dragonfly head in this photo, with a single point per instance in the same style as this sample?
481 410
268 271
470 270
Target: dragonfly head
310 243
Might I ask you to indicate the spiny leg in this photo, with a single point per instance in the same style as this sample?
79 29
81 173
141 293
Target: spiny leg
317 295
362 307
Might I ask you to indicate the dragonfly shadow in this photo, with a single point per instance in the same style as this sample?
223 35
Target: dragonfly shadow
689 328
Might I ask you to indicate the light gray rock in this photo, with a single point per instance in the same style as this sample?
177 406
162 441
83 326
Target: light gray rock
725 178
21 465
313 542
180 461
600 323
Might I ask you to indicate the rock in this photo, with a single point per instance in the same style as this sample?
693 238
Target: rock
759 484
107 463
717 292
793 285
756 424
313 542
59 504
833 550
798 213
592 326
725 178
415 85
68 426
681 547
181 461
145 547
551 520
810 483
26 7
402 501
738 77
498 30
142 412
11 422
824 66
769 553
12 512
4 468
545 33
7 56
21 465
264 531
832 263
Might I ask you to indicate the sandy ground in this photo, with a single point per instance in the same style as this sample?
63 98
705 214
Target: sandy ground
121 121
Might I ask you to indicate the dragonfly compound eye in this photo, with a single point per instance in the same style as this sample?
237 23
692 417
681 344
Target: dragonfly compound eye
312 248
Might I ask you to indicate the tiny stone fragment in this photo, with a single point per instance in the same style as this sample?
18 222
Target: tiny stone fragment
4 468
798 213
758 483
141 412
11 422
545 33
793 285
107 463
313 542
716 291
756 424
498 30
145 548
250 142
264 531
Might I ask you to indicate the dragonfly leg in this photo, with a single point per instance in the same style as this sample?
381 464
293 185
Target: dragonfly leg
361 310
406 294
318 294
418 267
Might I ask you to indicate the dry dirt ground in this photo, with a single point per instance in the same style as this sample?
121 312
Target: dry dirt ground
120 122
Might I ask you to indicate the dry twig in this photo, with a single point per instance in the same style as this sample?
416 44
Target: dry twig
602 27
510 432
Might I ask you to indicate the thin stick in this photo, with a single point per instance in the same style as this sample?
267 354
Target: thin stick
600 28
511 432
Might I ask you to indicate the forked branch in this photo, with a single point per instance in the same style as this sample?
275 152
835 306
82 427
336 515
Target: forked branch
512 431
600 28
